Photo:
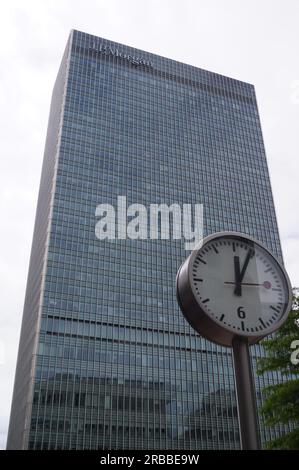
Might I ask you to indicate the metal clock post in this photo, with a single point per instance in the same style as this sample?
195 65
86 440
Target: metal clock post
234 292
247 410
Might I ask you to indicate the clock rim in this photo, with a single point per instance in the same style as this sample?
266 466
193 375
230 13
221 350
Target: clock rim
195 313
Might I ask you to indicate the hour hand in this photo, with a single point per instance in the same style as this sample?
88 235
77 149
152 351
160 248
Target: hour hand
239 275
238 287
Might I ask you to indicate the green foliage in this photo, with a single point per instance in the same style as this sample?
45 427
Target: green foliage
281 405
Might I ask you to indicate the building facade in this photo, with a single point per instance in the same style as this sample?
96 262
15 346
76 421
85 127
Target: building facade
106 360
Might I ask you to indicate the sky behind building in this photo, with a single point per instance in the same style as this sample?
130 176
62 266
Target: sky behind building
251 40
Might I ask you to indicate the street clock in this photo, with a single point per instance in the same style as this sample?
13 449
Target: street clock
233 286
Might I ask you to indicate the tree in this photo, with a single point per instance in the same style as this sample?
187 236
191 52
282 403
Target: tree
281 405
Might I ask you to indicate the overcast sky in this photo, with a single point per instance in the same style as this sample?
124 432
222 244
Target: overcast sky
251 40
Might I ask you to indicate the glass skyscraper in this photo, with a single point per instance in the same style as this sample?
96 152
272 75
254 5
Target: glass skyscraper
106 360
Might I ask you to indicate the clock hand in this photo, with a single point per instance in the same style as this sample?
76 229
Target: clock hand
237 276
240 275
265 284
245 265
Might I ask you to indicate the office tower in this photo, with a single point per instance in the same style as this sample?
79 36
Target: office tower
106 359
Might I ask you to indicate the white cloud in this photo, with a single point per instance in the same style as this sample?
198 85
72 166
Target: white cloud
250 40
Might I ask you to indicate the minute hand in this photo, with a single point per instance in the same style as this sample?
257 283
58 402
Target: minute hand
238 288
237 283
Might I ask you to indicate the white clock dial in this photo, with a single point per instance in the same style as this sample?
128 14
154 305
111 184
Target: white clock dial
239 285
233 286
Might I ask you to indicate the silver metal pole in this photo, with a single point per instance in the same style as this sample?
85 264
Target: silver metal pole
247 409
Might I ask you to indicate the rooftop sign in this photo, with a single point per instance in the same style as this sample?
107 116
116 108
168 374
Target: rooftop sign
109 50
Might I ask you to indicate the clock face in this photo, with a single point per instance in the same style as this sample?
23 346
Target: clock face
239 285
